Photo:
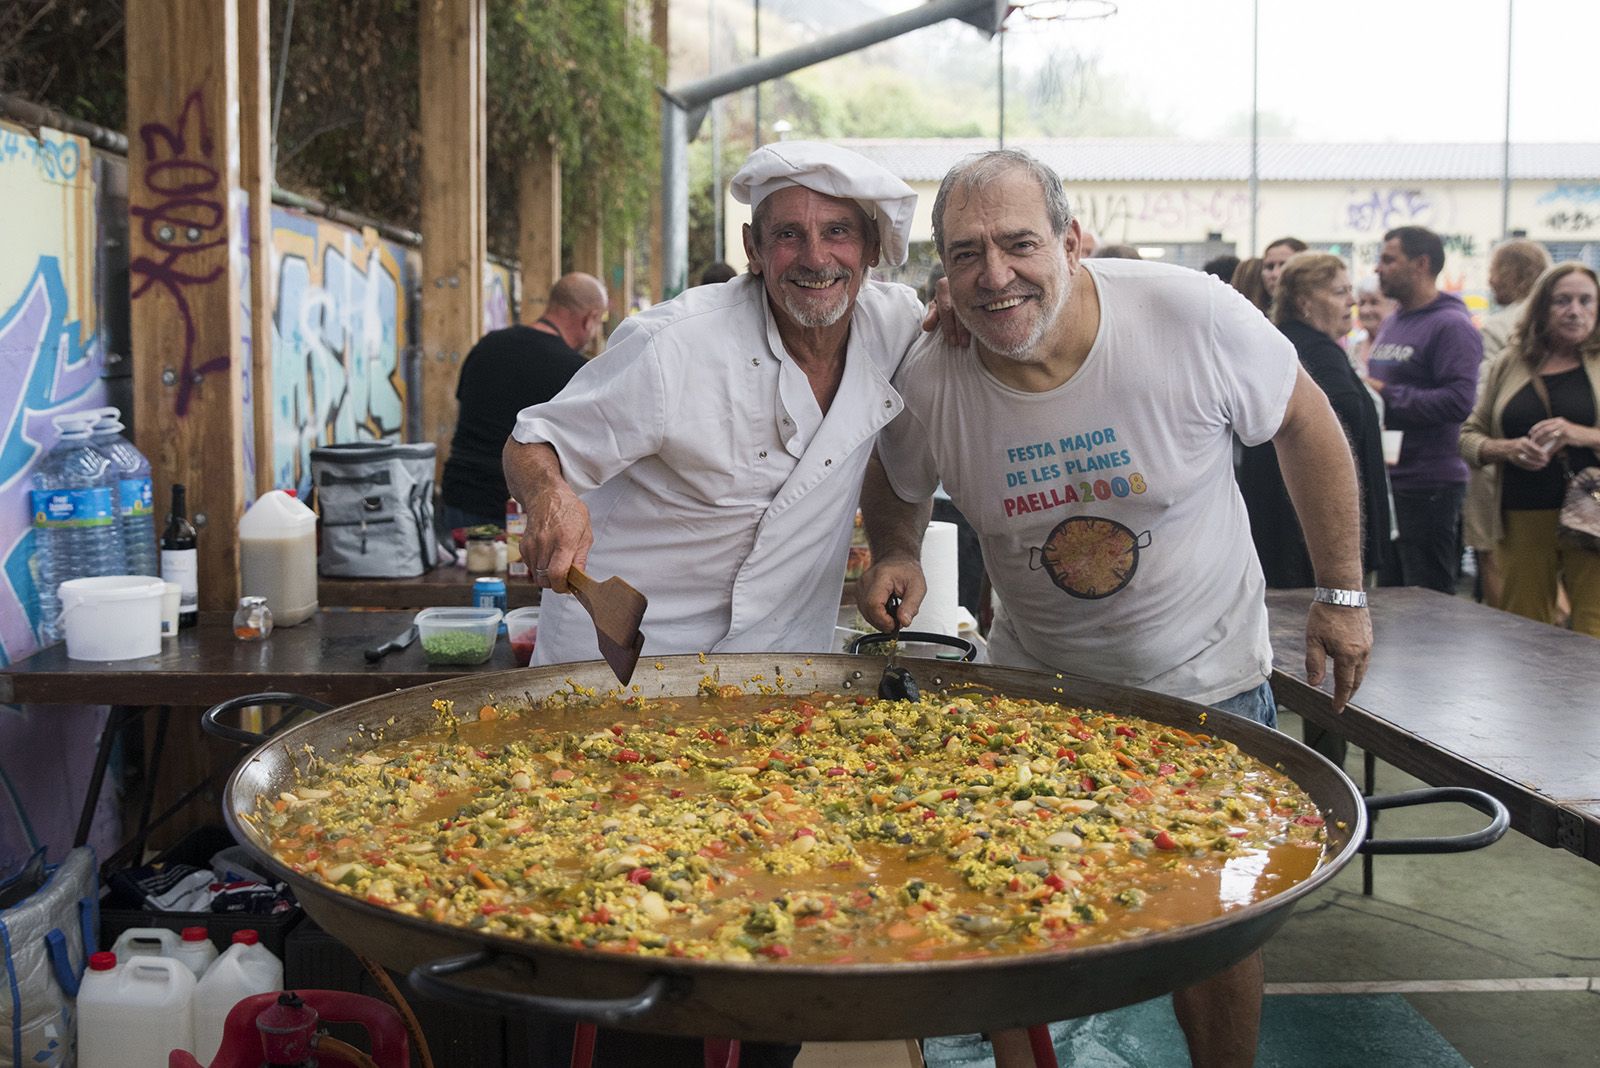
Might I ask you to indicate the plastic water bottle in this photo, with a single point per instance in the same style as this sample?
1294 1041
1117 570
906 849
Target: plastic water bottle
74 517
245 969
195 950
134 1013
135 496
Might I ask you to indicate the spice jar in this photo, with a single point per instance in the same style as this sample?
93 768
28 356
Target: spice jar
252 622
482 556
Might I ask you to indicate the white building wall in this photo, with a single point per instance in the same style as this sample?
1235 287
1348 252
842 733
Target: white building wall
1351 215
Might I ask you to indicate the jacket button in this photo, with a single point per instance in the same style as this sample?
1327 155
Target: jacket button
755 362
888 404
762 455
827 463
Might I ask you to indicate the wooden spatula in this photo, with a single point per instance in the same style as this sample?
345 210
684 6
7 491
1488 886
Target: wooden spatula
617 609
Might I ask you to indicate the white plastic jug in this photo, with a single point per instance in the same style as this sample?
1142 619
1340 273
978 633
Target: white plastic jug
112 617
195 950
245 969
132 1015
146 942
278 557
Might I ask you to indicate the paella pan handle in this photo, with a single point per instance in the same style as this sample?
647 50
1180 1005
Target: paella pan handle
1499 820
212 723
968 650
429 979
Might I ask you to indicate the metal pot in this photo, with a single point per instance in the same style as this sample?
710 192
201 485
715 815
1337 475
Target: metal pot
790 1002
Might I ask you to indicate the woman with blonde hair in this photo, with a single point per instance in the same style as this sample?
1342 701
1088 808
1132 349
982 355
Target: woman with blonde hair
1247 280
1312 308
1536 417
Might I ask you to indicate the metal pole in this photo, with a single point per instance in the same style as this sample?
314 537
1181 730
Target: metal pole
1001 38
716 140
1255 121
1505 146
674 198
684 108
758 84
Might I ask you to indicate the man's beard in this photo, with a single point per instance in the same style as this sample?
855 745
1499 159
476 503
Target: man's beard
1028 350
812 317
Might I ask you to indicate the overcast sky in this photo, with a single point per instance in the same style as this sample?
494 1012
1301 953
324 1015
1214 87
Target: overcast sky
1386 70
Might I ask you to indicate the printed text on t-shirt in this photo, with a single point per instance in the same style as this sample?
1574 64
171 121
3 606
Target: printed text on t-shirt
1055 465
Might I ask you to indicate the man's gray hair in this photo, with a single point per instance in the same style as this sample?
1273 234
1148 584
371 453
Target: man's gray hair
980 169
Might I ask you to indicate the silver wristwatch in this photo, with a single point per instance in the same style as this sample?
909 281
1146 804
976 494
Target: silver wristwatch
1342 598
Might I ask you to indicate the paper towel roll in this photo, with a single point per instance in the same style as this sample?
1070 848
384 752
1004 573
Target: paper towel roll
940 611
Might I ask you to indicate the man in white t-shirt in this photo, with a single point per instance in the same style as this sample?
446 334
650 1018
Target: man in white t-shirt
1087 434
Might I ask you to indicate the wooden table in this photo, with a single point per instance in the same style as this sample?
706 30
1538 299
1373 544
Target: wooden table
1460 694
321 658
443 586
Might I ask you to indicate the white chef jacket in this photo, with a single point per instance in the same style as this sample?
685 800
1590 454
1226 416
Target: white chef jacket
715 484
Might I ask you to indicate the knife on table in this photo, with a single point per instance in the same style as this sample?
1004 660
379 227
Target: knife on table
393 645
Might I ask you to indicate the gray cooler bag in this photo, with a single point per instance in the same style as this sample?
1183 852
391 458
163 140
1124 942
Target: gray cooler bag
44 942
376 504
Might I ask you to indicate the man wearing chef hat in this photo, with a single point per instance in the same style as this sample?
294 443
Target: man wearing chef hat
712 456
1088 434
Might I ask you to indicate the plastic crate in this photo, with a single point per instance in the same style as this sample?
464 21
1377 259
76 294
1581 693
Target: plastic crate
197 848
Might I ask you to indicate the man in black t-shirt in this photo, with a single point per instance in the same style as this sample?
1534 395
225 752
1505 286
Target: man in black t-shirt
506 371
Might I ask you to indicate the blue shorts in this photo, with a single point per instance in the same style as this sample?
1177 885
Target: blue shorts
1255 703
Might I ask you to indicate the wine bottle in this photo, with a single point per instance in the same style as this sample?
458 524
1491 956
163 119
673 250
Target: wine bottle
180 561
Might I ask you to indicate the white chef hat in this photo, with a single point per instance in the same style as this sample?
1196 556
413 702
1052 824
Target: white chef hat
835 172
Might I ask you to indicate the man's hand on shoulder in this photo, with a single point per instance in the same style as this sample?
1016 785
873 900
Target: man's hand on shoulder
941 316
897 576
1344 634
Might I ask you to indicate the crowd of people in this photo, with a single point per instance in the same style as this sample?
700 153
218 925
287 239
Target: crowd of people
718 451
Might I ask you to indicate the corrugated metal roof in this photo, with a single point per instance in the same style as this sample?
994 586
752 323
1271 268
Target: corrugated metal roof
1135 160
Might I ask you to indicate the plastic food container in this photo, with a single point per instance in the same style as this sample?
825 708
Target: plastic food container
112 617
459 636
522 627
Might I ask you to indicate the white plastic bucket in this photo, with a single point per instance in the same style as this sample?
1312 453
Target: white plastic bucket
113 617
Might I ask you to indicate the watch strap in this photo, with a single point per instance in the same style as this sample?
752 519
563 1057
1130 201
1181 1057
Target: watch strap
1341 598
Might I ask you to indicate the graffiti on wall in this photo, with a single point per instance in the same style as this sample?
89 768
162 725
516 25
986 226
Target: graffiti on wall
337 339
1146 215
497 288
51 350
1571 209
182 216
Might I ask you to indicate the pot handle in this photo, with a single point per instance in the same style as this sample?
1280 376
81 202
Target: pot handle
968 650
1499 820
212 724
429 979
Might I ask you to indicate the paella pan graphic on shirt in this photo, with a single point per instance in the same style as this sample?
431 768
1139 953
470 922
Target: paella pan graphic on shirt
1090 557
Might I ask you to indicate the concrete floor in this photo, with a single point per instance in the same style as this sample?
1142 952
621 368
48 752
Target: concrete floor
1517 911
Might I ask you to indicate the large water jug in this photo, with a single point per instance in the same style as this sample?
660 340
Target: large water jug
245 969
132 1015
196 950
145 942
135 497
278 557
75 528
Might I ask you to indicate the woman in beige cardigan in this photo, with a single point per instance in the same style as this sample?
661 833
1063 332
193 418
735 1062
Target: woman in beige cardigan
1527 435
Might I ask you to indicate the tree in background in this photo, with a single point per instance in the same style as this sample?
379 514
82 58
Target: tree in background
348 132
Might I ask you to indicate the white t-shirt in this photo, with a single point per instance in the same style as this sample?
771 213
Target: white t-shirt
715 483
1111 525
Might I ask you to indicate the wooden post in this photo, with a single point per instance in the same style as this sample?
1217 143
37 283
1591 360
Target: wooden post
539 220
589 256
255 137
454 233
184 282
662 39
